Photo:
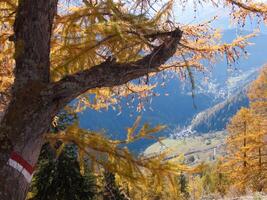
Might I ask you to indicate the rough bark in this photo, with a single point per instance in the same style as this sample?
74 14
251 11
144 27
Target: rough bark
35 100
111 73
28 116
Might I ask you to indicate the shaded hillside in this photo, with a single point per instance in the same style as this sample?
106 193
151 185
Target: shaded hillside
176 108
217 117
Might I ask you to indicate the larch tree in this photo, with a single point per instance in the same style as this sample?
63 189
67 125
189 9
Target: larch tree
257 158
238 148
258 104
54 51
257 96
246 143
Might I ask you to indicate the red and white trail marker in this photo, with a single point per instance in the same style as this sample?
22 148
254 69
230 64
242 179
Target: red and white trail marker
21 165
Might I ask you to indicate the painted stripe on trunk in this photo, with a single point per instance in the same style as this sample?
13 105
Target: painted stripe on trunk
21 165
22 162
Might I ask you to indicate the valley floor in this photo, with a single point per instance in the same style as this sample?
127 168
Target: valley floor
256 196
247 198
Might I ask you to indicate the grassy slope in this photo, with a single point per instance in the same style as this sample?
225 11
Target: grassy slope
200 147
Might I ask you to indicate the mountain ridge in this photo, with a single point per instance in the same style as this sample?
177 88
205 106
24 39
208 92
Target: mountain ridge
217 117
177 108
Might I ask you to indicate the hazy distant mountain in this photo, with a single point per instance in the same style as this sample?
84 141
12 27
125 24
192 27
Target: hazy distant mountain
217 117
177 108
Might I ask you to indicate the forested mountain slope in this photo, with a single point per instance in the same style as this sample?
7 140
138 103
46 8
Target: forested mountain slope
174 106
217 117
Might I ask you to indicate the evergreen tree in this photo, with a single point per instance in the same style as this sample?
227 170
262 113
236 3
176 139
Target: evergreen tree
62 50
59 177
183 182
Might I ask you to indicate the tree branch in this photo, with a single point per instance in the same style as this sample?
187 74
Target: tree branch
256 8
111 73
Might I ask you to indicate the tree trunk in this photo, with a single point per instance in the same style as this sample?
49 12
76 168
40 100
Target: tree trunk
244 145
35 100
24 125
29 114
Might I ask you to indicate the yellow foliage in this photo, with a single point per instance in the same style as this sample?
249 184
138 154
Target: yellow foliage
139 172
246 143
196 187
243 9
258 95
86 33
